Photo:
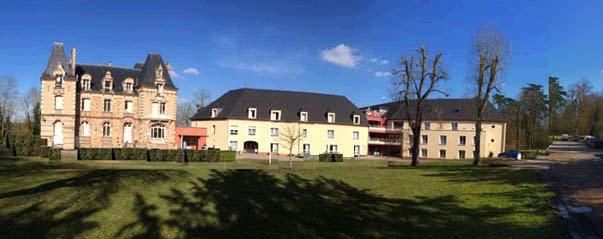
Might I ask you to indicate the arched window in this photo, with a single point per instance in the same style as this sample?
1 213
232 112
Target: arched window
128 85
85 84
85 128
106 129
58 102
157 131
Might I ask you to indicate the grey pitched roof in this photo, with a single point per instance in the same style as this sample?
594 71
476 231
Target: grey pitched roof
57 56
235 103
147 72
97 73
463 109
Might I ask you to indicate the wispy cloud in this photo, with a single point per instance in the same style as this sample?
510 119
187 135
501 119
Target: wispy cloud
379 61
383 74
341 55
175 74
190 71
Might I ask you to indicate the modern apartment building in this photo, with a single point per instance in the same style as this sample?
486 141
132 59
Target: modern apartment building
106 106
256 121
447 133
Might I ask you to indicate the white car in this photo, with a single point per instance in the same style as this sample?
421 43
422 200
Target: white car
564 137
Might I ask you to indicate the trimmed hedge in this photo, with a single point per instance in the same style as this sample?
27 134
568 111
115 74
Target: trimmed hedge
210 155
156 155
227 156
330 157
165 155
54 155
44 151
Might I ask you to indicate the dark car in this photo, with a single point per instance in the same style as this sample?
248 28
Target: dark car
512 154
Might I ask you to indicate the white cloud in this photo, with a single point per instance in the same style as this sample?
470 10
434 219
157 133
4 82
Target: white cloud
384 62
341 55
190 71
383 74
379 61
174 74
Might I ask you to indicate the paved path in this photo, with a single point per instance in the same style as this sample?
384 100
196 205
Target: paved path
576 174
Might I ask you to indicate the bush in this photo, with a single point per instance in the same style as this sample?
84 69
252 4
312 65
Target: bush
54 155
138 154
165 155
44 151
85 154
210 155
174 155
227 156
330 157
103 154
121 154
192 155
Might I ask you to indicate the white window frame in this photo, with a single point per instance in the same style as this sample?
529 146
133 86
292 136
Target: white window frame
233 130
252 113
454 126
214 112
461 140
58 102
303 116
274 147
330 134
356 119
86 83
424 139
306 150
85 127
162 107
106 107
275 115
424 153
157 131
443 139
331 118
128 106
274 132
305 133
427 125
233 145
355 135
251 129
86 104
106 129
464 154
442 156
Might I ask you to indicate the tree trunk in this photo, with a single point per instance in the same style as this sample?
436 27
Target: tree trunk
415 145
478 140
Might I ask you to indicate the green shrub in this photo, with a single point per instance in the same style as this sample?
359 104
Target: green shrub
54 155
85 154
193 155
121 154
165 155
103 154
210 155
227 156
44 151
330 157
138 154
174 155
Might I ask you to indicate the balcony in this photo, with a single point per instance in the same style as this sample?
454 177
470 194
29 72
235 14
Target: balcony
381 129
384 141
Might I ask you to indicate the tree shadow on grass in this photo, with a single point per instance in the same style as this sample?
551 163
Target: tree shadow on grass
62 208
255 204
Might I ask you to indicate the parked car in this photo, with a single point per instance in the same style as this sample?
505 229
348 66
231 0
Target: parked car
512 154
588 140
576 138
564 137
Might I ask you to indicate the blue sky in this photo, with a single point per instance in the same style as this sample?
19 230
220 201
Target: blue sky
339 47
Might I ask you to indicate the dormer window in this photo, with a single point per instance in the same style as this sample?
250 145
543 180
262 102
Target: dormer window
356 119
159 88
107 82
331 117
252 113
214 113
275 115
303 116
107 87
59 81
128 85
86 84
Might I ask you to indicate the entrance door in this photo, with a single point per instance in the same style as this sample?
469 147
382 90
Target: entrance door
127 133
58 133
250 147
356 150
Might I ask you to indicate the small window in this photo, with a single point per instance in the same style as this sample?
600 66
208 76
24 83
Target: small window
234 130
275 115
306 148
214 113
107 105
355 135
85 129
251 131
462 140
86 84
233 145
59 81
356 119
331 117
274 147
162 108
305 133
330 134
427 125
442 154
274 132
424 153
424 139
443 139
461 154
58 102
106 129
332 148
86 104
107 86
303 116
454 125
129 87
128 106
158 131
251 113
159 88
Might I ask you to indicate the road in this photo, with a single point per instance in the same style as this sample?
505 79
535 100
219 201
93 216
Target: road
576 175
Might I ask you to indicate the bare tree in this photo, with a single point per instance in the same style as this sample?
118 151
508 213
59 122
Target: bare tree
29 102
491 50
8 94
201 98
290 135
419 76
185 111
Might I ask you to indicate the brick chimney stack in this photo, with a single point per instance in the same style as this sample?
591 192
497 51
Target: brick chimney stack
72 60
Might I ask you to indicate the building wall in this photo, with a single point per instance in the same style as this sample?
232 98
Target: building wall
146 98
316 135
50 115
492 139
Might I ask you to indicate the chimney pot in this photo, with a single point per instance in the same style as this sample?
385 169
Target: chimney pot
72 61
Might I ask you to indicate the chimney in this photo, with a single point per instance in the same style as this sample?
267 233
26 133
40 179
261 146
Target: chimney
72 61
109 63
168 67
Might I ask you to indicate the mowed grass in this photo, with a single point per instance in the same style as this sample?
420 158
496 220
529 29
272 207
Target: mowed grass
354 199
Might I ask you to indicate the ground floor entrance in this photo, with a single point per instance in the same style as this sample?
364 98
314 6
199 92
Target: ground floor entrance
384 150
250 147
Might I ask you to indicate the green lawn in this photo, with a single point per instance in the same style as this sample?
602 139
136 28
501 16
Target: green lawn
355 199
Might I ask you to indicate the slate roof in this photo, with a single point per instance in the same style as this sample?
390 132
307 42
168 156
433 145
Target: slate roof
57 56
147 73
97 73
235 103
463 109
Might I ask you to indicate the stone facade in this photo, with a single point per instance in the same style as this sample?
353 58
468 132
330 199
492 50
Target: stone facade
106 106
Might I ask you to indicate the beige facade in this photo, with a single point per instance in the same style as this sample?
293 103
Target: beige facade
94 106
317 140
